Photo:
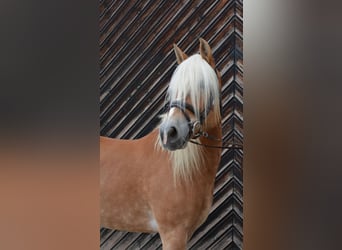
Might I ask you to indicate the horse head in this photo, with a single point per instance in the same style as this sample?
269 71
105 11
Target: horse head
193 98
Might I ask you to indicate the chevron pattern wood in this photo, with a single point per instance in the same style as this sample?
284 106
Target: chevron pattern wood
136 63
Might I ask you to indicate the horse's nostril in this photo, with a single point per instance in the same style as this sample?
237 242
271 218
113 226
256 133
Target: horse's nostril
172 133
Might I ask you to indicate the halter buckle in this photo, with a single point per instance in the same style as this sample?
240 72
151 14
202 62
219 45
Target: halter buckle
196 129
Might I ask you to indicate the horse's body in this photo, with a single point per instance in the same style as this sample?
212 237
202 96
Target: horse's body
141 191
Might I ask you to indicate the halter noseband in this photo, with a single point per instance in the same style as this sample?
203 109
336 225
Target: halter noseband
195 127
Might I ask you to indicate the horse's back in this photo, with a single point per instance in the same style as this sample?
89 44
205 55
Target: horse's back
118 164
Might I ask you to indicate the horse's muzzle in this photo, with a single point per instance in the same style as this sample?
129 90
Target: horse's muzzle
172 138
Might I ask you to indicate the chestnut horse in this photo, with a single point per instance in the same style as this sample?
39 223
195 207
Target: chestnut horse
164 182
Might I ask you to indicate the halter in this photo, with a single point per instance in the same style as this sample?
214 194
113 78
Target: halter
195 127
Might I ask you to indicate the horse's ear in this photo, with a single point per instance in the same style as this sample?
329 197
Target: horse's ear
181 56
206 52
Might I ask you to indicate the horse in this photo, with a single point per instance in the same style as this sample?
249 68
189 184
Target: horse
163 182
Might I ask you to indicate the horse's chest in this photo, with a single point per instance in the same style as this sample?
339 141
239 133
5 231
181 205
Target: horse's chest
194 207
205 209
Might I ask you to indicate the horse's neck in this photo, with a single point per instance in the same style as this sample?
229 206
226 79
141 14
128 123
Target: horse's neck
212 156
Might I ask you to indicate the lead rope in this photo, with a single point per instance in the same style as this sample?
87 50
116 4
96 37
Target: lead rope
205 134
